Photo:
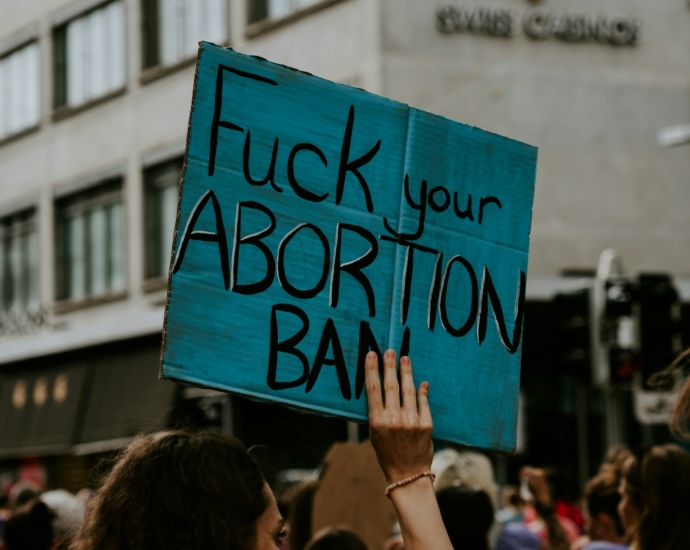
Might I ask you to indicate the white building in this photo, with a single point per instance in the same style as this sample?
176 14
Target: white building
94 105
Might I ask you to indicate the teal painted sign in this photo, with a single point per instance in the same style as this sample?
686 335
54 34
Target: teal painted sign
318 222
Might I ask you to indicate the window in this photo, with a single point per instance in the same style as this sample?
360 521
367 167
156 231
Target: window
91 260
173 28
18 262
90 56
162 183
276 9
19 90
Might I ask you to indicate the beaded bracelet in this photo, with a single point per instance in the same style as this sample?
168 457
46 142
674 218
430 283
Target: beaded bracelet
407 480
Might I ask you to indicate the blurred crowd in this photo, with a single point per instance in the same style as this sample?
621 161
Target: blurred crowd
638 500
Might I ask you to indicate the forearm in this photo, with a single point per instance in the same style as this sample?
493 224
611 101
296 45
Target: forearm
419 516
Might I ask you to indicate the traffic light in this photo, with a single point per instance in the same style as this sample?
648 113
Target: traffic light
618 329
660 328
572 319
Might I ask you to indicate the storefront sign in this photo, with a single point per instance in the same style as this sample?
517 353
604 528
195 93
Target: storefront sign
318 222
539 24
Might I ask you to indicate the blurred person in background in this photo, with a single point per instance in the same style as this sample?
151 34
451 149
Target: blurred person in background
299 516
655 498
468 515
471 469
513 507
335 538
556 532
604 527
50 521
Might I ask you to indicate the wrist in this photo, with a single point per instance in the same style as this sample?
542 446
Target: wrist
410 480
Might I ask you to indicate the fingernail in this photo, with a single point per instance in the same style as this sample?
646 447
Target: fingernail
405 361
390 354
371 355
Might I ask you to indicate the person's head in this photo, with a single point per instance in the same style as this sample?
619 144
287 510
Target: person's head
672 376
602 496
464 467
510 497
467 514
299 518
29 527
179 489
335 538
67 513
655 498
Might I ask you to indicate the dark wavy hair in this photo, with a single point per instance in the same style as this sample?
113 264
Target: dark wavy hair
657 480
177 490
601 491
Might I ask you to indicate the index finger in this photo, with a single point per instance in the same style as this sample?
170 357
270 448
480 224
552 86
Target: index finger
373 384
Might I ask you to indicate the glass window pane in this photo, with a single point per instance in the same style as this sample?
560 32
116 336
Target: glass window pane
75 65
116 247
75 257
194 15
4 100
97 49
116 57
217 21
16 93
279 8
97 251
15 257
168 216
168 10
33 88
32 268
3 268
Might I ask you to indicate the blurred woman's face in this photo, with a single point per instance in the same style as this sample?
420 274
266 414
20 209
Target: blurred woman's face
628 510
270 527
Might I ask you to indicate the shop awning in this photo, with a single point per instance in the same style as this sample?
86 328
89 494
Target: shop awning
92 400
126 398
39 409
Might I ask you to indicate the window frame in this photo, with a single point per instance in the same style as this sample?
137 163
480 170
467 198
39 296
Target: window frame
151 19
22 222
59 54
28 41
99 195
255 28
155 282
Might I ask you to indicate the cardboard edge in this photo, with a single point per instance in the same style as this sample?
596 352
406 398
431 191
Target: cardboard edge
262 399
177 214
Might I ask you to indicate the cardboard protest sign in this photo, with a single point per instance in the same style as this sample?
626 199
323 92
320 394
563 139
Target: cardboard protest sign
317 222
351 493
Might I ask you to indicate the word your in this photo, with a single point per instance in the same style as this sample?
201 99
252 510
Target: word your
540 24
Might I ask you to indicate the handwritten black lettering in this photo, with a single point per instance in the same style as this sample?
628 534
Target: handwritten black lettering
219 237
270 175
282 276
444 297
489 294
217 123
347 165
353 267
286 346
483 202
300 191
330 339
255 239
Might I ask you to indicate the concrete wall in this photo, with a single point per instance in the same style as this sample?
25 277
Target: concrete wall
594 111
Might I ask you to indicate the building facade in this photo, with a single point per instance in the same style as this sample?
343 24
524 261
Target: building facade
94 105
